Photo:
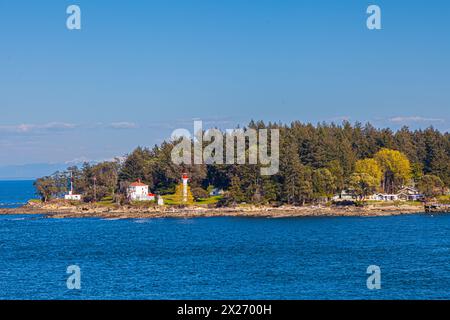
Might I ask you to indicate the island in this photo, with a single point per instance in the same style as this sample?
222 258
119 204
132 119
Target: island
322 170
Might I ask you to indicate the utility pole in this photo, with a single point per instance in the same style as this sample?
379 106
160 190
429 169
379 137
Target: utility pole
71 183
95 189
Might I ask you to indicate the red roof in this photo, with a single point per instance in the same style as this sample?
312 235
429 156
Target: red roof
138 184
151 194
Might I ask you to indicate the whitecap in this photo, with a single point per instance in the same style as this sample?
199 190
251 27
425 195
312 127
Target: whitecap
142 221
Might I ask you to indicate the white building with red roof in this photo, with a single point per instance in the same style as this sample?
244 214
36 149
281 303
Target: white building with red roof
138 191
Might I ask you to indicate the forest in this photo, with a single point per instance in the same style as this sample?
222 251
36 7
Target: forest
316 162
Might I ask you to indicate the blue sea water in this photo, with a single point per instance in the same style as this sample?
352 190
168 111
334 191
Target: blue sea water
224 258
16 193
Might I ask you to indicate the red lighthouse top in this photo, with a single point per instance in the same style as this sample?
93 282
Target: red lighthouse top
185 176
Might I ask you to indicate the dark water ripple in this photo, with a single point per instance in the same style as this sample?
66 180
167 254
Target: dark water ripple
218 258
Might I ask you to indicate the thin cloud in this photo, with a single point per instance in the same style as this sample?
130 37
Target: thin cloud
78 160
414 119
123 125
83 159
29 128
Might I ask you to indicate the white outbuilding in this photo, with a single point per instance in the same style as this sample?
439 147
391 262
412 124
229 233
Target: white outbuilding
73 197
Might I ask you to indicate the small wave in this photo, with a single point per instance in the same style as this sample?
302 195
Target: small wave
186 221
142 221
11 204
441 250
110 219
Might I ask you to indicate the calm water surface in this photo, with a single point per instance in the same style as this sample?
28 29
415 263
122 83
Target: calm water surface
223 258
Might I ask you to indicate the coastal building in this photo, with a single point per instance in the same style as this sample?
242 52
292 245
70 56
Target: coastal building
216 192
138 191
405 194
383 197
72 196
343 196
410 194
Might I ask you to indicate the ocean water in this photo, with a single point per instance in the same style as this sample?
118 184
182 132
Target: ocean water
225 258
16 193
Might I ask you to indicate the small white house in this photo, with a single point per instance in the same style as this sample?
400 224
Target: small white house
405 194
216 192
138 191
384 197
343 196
160 201
73 197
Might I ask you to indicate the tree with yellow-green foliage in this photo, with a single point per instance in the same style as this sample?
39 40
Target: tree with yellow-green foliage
305 151
178 196
363 184
366 179
370 167
396 169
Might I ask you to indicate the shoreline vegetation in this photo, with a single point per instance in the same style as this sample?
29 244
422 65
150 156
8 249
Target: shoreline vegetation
64 209
324 170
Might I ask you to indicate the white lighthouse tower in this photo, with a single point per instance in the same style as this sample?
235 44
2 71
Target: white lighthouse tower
185 187
72 195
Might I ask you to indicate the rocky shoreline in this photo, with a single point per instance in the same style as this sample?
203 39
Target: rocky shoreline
63 210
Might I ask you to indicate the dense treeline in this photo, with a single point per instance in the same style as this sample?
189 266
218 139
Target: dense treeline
316 162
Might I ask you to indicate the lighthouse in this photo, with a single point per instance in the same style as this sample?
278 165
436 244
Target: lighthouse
72 195
185 187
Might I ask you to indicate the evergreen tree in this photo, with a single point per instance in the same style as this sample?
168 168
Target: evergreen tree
431 186
235 192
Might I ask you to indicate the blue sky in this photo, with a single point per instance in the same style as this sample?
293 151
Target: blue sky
139 69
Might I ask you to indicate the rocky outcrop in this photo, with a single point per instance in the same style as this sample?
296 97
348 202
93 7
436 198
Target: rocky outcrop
437 208
63 209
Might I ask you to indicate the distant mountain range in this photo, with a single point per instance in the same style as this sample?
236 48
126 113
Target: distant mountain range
30 171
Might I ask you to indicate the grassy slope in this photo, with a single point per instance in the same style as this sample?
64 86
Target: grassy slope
168 200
